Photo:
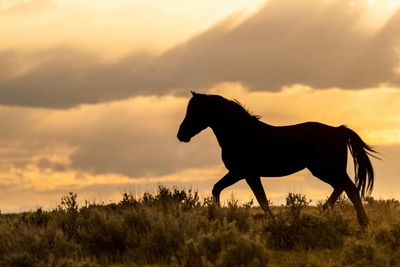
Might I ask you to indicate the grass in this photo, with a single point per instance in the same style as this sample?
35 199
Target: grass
175 228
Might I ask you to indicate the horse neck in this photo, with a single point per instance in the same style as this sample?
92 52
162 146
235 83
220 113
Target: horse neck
228 131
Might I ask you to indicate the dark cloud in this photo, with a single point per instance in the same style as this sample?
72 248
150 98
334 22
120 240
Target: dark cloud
45 163
66 77
142 154
285 42
290 42
136 138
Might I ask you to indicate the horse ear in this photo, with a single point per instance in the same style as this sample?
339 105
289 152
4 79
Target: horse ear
193 93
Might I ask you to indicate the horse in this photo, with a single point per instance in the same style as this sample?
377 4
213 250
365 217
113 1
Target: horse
252 149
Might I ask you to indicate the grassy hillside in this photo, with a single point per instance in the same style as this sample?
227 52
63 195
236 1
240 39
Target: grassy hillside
174 228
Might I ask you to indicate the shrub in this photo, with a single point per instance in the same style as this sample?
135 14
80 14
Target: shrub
388 208
389 236
19 260
240 215
308 232
168 199
164 239
214 212
69 208
129 201
68 262
358 253
39 218
244 252
294 230
137 221
69 203
295 203
226 247
103 236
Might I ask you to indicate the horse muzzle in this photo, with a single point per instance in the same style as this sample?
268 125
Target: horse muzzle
183 138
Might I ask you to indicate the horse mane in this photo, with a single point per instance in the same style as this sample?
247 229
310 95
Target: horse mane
234 106
245 110
237 108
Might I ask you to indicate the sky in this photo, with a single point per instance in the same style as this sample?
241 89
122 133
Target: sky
92 92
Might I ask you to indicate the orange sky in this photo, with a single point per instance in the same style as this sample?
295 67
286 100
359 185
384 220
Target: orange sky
90 89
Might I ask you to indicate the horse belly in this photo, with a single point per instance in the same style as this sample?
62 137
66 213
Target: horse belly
264 166
277 169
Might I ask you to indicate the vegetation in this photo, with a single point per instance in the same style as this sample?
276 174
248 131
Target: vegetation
175 228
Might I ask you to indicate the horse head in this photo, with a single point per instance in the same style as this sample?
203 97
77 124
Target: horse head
195 119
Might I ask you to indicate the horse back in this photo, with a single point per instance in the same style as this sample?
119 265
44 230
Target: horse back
281 150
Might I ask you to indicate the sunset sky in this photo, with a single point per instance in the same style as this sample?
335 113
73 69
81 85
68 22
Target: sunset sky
92 92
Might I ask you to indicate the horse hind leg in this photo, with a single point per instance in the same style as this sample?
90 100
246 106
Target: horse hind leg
354 196
258 190
333 180
340 183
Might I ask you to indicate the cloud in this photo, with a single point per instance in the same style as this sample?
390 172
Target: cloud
317 44
135 137
321 44
61 78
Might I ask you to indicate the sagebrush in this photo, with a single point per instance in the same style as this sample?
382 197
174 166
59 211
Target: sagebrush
174 227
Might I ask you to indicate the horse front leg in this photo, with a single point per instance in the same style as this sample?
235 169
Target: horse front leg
337 191
228 180
258 190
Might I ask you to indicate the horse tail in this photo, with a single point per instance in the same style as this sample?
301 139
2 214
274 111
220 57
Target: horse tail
363 170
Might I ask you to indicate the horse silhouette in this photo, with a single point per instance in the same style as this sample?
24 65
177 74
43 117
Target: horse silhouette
252 149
